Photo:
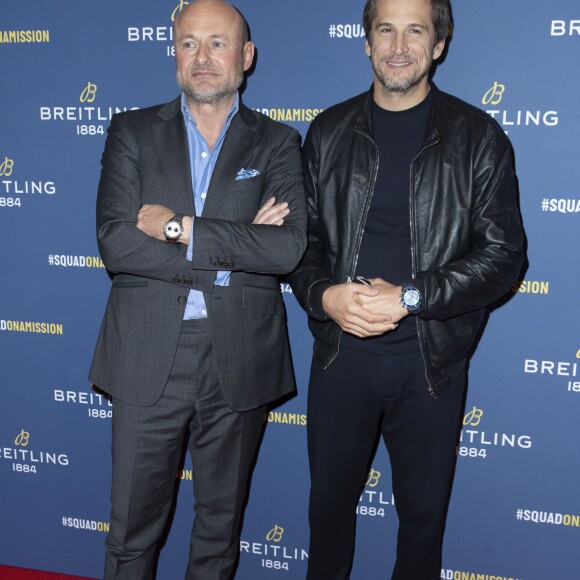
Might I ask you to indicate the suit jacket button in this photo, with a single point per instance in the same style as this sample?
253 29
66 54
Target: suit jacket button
230 264
182 299
217 264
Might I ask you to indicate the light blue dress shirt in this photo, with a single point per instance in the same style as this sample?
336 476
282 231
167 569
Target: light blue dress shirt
202 163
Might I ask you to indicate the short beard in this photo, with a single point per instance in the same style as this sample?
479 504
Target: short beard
399 87
211 96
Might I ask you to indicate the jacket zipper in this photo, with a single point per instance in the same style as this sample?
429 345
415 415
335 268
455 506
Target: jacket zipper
430 386
359 236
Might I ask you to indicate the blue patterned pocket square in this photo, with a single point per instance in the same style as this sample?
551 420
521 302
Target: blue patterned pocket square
246 173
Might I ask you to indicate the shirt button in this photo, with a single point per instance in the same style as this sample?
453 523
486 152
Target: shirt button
204 154
203 195
204 312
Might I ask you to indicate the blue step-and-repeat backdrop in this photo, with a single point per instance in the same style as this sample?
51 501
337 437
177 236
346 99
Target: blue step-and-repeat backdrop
66 68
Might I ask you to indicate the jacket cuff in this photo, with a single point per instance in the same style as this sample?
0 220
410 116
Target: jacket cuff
420 285
315 300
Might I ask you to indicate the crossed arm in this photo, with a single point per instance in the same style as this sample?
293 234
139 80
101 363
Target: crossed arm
151 218
130 231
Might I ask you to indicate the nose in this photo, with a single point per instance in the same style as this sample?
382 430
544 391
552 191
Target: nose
202 55
399 45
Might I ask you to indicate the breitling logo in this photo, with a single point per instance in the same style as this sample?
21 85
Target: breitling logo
89 93
88 116
494 95
275 534
373 478
22 439
510 118
6 167
473 418
475 442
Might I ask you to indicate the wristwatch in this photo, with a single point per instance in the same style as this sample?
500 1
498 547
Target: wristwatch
411 298
174 228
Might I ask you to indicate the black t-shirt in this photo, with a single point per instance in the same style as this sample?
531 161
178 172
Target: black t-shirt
385 250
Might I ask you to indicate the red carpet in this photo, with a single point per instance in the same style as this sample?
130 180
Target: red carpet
7 573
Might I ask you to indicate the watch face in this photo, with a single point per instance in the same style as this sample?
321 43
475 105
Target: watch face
411 297
172 230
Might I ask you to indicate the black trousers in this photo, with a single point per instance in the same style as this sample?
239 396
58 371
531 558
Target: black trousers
147 448
358 396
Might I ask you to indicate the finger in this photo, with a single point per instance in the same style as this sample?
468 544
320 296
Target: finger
267 205
265 211
369 317
365 290
279 208
276 208
359 326
273 214
374 281
367 331
272 221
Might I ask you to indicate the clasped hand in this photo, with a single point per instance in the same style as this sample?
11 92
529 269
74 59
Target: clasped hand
365 311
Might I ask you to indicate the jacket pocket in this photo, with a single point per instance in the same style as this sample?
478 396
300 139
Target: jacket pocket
264 300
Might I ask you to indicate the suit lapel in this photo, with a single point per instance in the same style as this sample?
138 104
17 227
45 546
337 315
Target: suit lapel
173 150
239 142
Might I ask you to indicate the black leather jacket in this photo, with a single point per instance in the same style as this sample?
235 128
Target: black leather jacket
466 233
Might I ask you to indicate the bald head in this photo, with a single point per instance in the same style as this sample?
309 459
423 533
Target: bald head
221 7
211 52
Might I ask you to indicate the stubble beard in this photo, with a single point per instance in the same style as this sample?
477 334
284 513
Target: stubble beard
402 86
214 95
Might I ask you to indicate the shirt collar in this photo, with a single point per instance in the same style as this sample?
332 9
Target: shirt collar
231 111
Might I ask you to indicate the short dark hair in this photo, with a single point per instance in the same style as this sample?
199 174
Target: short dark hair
440 15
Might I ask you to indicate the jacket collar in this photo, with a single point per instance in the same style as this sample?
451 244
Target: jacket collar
363 123
239 143
240 140
171 143
169 110
173 108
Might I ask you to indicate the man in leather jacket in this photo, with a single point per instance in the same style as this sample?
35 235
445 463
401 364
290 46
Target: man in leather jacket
412 193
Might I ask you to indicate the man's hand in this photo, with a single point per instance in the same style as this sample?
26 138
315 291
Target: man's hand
152 218
341 303
272 213
386 301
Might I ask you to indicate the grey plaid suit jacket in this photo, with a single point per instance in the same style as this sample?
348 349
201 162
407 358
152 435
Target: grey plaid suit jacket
146 161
